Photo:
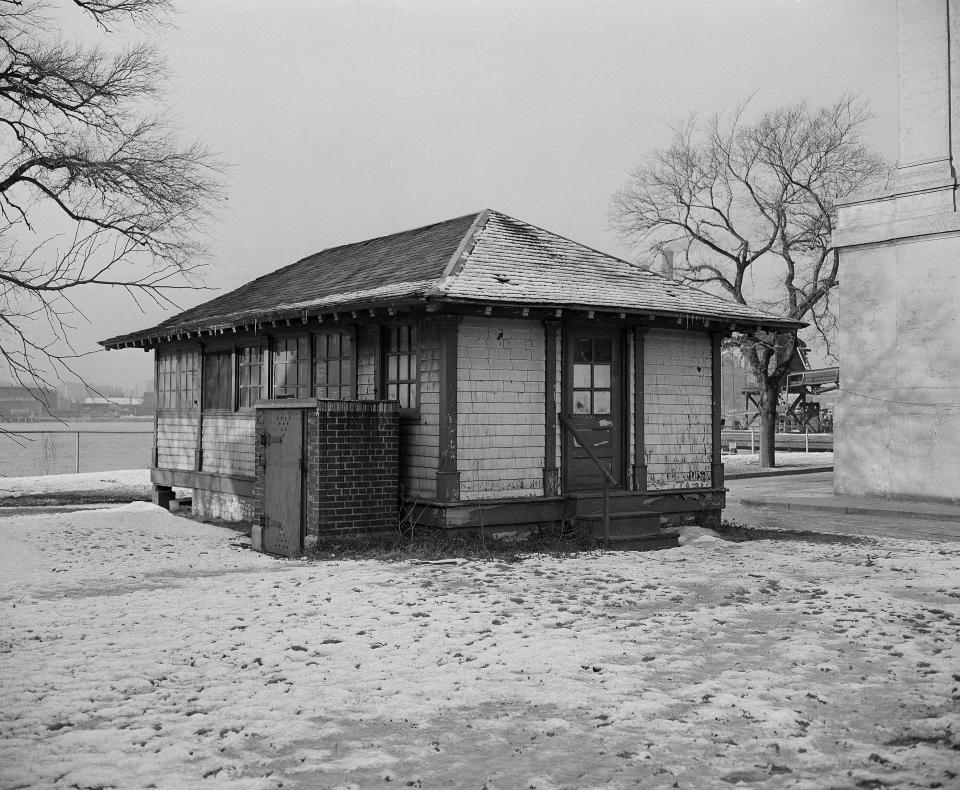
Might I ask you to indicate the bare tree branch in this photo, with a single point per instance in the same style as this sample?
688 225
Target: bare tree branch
84 150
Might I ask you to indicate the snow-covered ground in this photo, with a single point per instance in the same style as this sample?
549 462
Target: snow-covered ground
140 649
85 481
750 462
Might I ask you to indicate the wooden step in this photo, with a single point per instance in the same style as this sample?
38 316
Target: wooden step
665 540
625 542
628 531
635 503
620 515
628 523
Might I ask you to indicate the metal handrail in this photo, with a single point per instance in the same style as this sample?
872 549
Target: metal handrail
608 479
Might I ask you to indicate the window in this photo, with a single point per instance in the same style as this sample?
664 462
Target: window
218 380
166 380
333 365
250 371
592 369
178 379
401 365
291 367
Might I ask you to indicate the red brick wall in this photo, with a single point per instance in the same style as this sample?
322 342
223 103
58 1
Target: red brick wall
352 463
352 467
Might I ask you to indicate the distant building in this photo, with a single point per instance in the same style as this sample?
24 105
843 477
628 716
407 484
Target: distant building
898 412
111 407
74 391
18 403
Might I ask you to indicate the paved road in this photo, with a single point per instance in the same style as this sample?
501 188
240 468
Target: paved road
817 486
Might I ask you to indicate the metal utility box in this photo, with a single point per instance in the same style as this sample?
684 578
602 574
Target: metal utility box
324 467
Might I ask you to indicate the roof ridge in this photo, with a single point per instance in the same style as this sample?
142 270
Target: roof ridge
348 244
461 253
306 258
636 266
381 238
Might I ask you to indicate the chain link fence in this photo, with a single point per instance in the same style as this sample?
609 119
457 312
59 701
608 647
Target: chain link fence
54 452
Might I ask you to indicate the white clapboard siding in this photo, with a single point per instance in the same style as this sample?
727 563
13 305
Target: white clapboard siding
678 393
500 426
228 444
176 441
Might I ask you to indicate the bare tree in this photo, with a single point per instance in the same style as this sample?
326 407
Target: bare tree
732 197
95 187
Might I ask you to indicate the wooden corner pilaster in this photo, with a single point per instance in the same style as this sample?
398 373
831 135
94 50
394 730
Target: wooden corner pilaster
448 475
716 462
551 474
198 450
155 450
639 439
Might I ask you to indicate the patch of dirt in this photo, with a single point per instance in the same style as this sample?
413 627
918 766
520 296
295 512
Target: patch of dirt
742 533
112 496
433 545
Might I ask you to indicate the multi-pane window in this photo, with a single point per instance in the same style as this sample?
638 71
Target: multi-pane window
400 355
291 367
250 376
592 368
333 365
178 379
218 380
166 380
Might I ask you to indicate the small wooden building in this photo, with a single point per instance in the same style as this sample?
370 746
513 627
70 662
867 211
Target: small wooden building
529 373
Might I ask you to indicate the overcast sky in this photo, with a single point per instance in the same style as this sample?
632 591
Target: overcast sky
348 119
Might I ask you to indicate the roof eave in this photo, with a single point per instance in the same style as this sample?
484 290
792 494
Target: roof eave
270 318
760 322
150 337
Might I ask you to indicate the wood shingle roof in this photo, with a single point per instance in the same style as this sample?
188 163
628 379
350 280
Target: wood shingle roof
483 258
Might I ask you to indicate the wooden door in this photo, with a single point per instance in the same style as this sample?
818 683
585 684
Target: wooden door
283 481
593 403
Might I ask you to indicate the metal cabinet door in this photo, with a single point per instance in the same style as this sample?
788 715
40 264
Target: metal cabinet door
283 482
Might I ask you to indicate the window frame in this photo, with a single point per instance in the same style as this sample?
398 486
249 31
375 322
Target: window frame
589 364
320 336
227 392
415 349
263 346
297 361
178 376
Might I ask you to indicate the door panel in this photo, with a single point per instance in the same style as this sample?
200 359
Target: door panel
283 482
593 403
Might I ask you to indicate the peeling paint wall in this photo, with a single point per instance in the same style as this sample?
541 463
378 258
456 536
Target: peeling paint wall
221 505
677 416
228 443
500 376
176 441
